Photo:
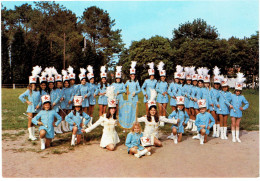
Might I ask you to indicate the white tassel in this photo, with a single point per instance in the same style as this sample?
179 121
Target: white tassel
54 71
64 72
90 69
133 64
103 69
160 66
179 69
151 65
192 70
82 71
36 70
240 78
187 70
200 71
118 68
205 71
216 71
70 70
48 71
43 74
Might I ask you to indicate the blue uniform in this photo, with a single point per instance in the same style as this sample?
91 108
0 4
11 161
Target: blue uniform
162 87
184 118
133 139
206 95
133 87
60 92
186 92
172 90
75 91
55 98
83 91
34 98
102 99
223 101
77 119
147 85
214 93
119 87
47 118
92 90
67 95
203 119
196 93
236 102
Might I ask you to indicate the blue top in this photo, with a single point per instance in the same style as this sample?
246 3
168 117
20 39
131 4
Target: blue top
133 87
147 85
184 118
162 87
92 89
172 91
206 95
214 94
47 118
133 139
83 91
55 98
119 87
34 98
223 100
77 119
203 119
67 95
102 99
186 91
236 102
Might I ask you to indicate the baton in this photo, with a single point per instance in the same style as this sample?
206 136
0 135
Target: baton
31 118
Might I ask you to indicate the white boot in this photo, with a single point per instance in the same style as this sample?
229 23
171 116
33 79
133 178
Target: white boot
59 129
218 131
137 155
194 127
225 133
67 126
214 131
190 126
175 138
30 134
222 133
73 140
55 129
143 152
197 137
170 137
42 143
237 136
63 124
233 136
33 133
202 140
90 122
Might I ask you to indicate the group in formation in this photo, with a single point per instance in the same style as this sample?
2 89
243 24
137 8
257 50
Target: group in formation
58 105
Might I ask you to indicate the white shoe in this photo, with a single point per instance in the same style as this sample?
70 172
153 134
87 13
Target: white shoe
33 133
218 131
214 131
202 140
143 152
42 143
237 136
188 125
67 126
194 127
30 134
233 136
73 140
197 137
225 133
137 155
63 125
175 138
222 133
148 153
170 137
59 129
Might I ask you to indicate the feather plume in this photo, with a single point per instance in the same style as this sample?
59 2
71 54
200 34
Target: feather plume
192 70
82 71
43 74
118 68
90 69
160 66
103 69
64 72
70 70
110 92
48 71
151 65
54 71
216 71
205 71
133 64
153 95
221 77
200 71
179 69
187 70
240 78
36 70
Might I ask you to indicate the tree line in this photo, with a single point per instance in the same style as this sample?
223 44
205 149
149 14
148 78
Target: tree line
51 35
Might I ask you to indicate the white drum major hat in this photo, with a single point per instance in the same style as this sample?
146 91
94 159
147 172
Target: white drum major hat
151 68
180 100
202 103
179 70
103 73
82 74
239 81
160 69
36 70
65 75
71 74
132 69
151 101
90 74
45 99
216 72
77 100
118 72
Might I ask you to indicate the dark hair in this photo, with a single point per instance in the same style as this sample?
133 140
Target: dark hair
120 80
185 82
40 89
201 81
66 81
101 83
80 111
108 115
238 90
225 86
156 117
48 89
45 103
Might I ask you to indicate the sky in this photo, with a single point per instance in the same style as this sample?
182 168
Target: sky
143 19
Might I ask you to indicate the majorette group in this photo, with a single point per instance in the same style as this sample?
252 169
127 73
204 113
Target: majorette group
59 105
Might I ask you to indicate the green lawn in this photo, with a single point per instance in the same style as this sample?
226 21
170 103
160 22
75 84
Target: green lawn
13 109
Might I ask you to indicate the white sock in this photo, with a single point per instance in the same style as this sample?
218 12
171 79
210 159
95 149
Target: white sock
42 143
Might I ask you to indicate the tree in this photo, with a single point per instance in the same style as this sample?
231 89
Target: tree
6 69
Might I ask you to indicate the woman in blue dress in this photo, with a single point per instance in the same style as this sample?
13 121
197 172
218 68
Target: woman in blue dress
83 90
192 100
58 84
148 85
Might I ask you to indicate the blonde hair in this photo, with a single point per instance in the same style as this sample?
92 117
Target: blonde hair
136 124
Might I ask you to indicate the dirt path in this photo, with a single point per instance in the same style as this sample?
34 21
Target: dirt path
217 158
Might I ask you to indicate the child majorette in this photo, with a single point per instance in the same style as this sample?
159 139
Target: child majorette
92 89
73 86
109 137
161 88
152 120
148 85
133 142
173 89
66 100
101 91
77 120
33 101
223 107
193 103
83 90
236 107
47 116
214 93
204 121
132 85
187 92
119 86
182 118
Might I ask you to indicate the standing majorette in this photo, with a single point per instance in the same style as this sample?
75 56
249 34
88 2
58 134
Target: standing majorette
47 116
59 85
92 90
132 86
203 121
192 97
205 89
119 86
33 101
109 137
83 90
66 100
236 107
43 84
182 116
161 88
187 93
72 82
148 85
77 120
214 93
101 91
223 107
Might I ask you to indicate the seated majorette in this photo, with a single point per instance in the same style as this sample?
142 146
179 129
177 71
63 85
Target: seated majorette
47 116
77 119
109 137
133 142
152 121
203 121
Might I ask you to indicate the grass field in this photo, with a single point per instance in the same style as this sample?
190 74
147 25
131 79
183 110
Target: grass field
13 109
